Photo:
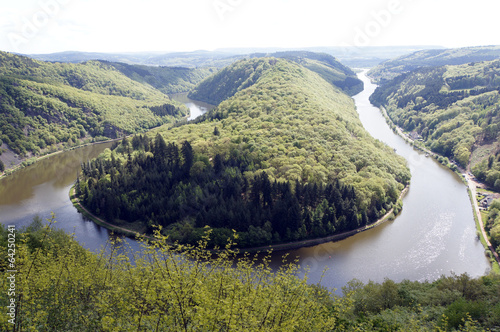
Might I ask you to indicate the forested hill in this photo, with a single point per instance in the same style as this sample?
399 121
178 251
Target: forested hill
283 159
168 80
239 76
231 79
46 105
432 58
454 108
327 66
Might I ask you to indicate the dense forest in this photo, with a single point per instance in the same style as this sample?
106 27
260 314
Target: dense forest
231 79
284 159
168 80
389 69
492 224
44 105
163 185
326 66
455 109
240 75
60 286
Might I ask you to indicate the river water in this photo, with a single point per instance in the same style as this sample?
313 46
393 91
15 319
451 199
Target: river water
196 108
434 235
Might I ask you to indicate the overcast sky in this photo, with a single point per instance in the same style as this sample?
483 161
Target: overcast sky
45 26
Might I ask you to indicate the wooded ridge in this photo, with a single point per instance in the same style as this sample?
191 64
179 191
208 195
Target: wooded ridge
283 157
46 106
432 58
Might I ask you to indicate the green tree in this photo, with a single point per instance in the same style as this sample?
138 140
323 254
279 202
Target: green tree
62 287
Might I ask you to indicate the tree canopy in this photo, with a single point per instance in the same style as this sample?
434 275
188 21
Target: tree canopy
45 104
60 286
283 159
453 108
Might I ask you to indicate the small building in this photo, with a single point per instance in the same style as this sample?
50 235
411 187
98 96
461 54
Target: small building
486 202
414 136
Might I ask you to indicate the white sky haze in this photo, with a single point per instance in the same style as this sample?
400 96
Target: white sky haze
46 26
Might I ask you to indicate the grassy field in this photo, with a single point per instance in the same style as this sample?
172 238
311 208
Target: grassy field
482 152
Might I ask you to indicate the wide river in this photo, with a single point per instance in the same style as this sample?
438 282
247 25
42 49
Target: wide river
434 234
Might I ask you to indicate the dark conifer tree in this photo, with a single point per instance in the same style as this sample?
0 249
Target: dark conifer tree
266 188
136 142
218 164
188 156
160 149
294 216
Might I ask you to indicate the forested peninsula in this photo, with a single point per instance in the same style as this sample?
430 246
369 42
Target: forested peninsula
283 157
217 88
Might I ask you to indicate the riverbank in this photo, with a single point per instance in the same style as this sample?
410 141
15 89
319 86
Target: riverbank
33 160
390 215
467 180
101 222
494 257
332 238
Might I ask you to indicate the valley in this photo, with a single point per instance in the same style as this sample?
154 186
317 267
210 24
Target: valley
285 155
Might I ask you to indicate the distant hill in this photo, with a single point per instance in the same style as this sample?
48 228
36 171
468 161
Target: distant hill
433 57
239 76
168 80
352 56
456 110
193 59
327 66
369 56
77 57
226 82
45 104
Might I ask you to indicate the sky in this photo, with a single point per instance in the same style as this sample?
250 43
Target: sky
47 26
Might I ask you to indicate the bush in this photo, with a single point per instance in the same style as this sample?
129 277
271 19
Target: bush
462 311
62 287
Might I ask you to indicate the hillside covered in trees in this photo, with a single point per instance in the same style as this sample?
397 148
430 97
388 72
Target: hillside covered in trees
432 58
326 66
168 80
60 286
239 76
283 159
492 224
455 109
45 104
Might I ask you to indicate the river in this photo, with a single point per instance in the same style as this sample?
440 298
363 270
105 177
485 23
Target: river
434 235
196 108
